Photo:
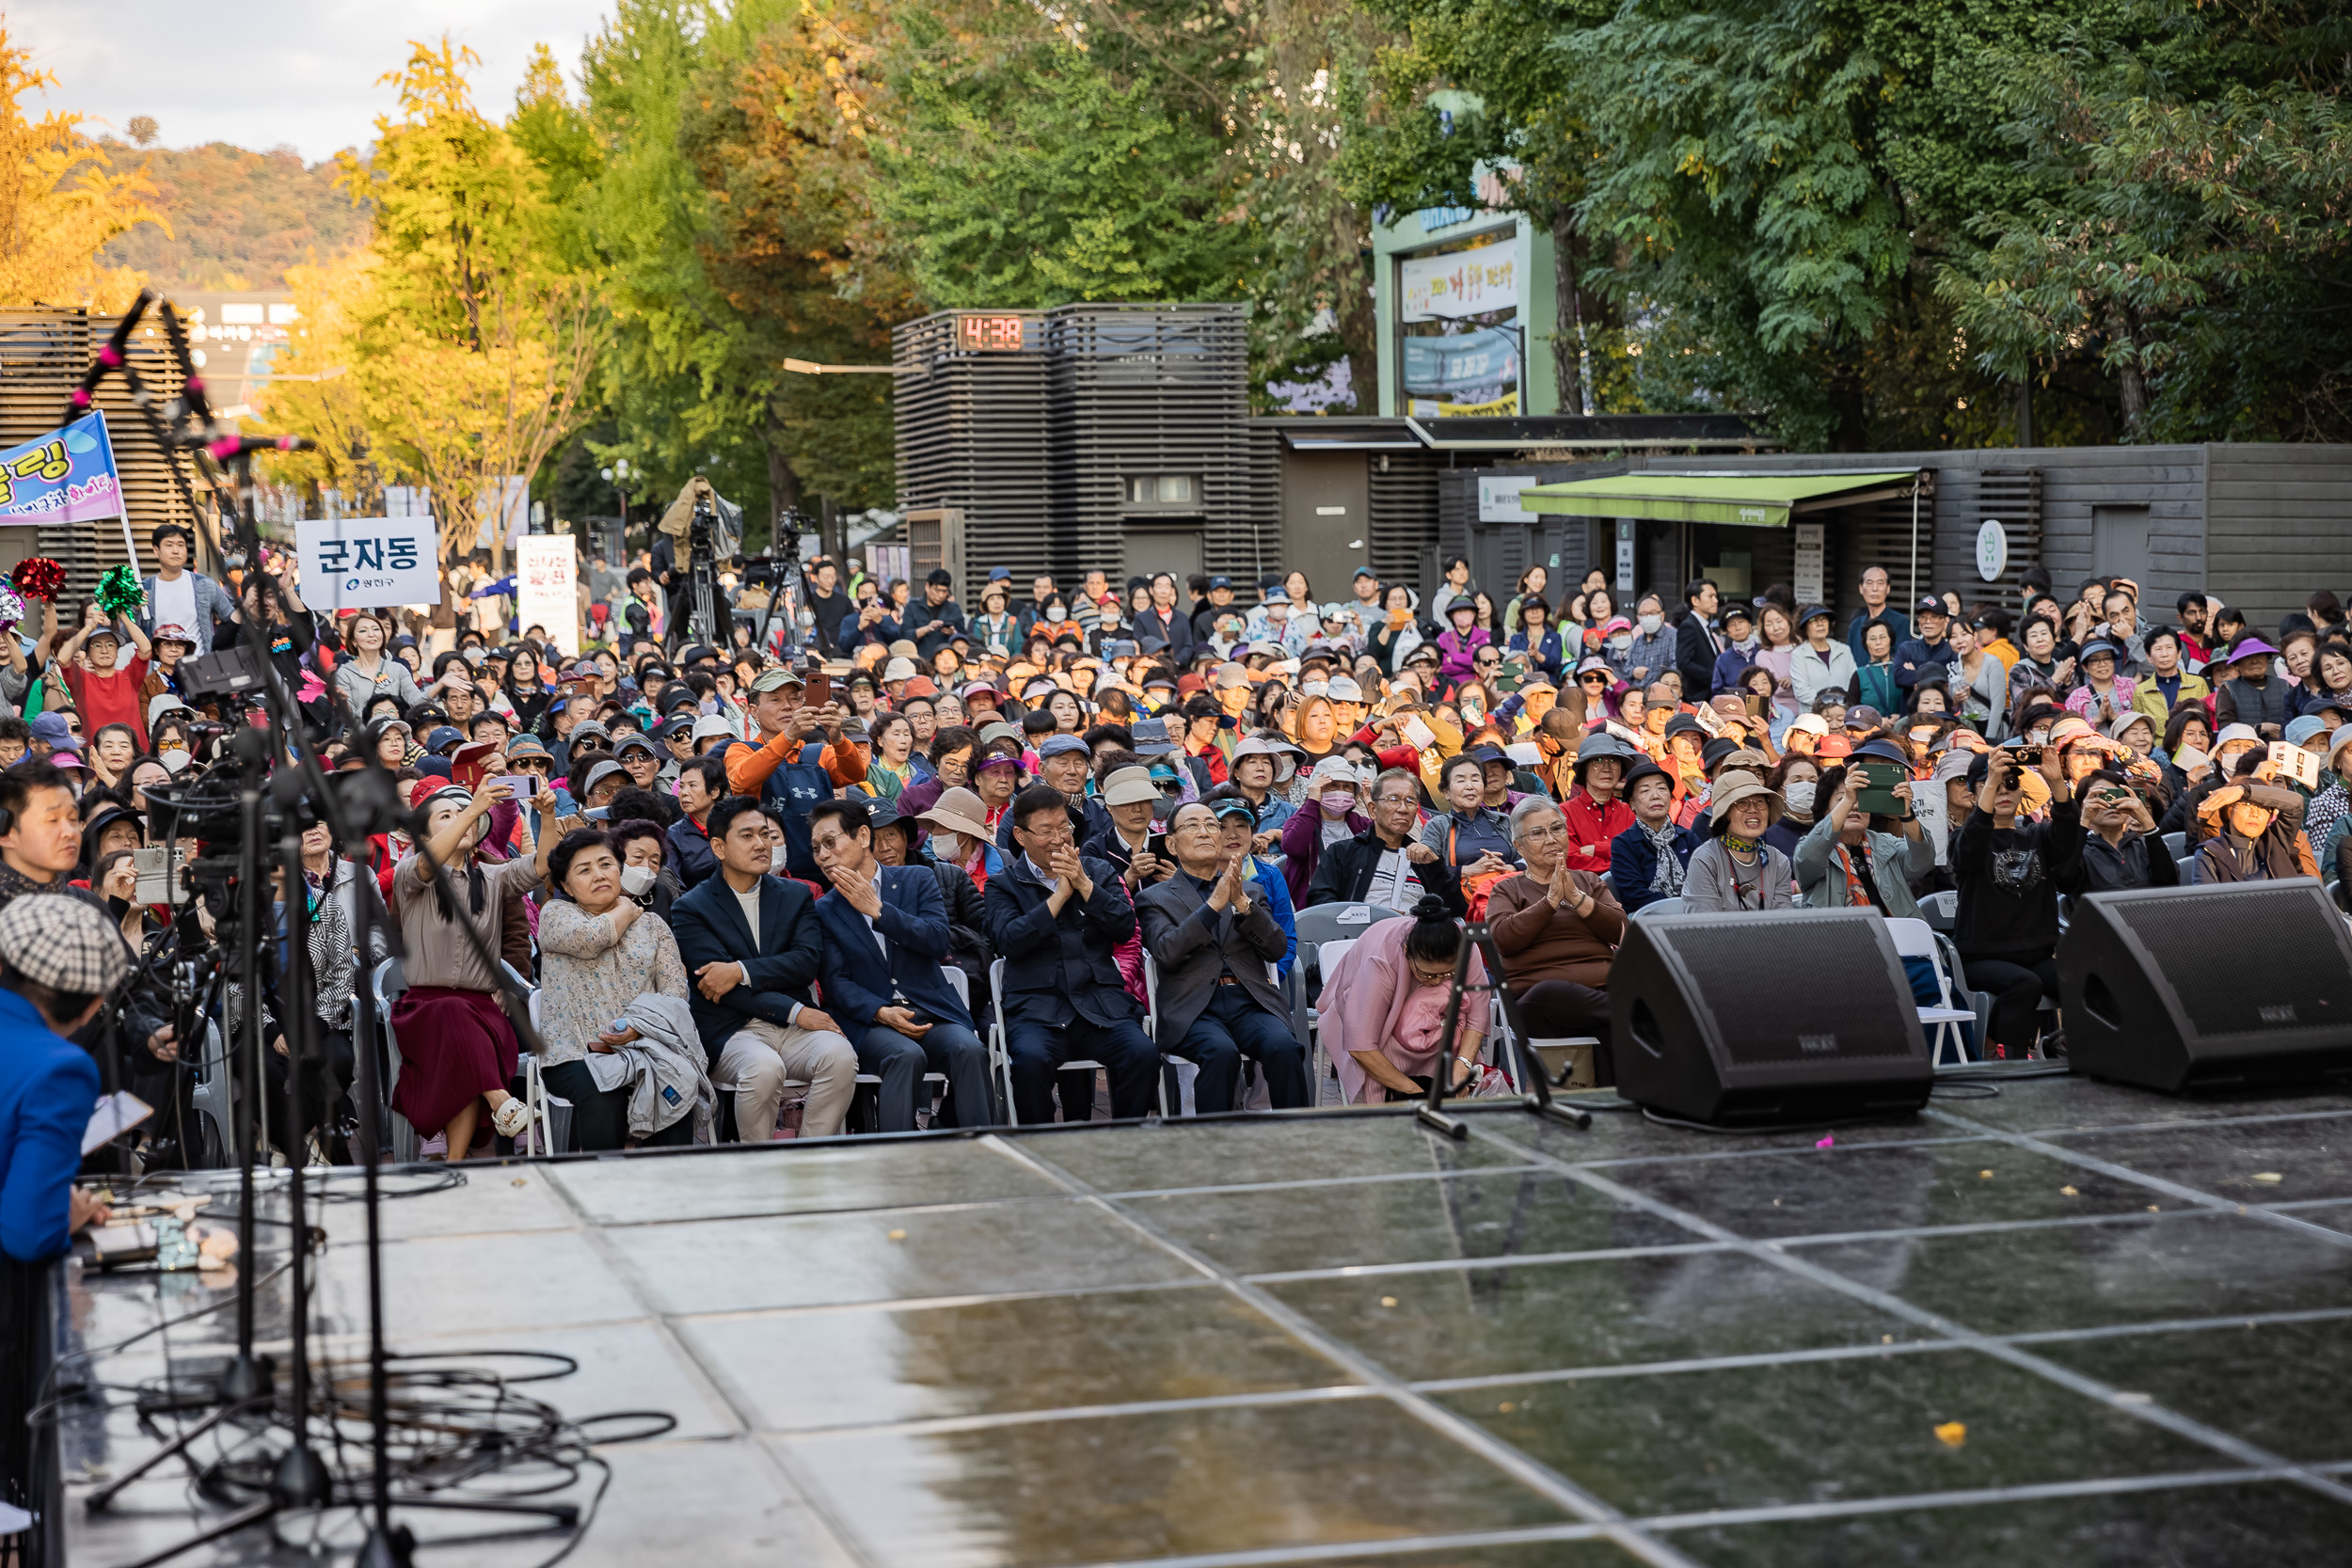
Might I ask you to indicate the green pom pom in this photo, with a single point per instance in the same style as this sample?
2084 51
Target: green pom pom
118 591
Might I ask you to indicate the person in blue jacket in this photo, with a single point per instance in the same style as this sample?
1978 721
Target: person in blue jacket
59 959
1536 638
1646 860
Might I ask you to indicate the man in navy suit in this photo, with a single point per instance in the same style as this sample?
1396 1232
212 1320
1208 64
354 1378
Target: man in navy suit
753 944
1055 917
885 938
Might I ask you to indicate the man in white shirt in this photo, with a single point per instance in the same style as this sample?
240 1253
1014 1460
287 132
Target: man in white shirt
753 944
179 597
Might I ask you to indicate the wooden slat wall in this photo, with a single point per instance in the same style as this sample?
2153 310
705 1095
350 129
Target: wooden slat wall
2279 527
43 356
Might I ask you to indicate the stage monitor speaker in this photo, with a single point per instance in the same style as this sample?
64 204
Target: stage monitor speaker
1796 1016
2195 988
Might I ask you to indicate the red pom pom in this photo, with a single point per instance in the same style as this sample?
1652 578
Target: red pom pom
38 578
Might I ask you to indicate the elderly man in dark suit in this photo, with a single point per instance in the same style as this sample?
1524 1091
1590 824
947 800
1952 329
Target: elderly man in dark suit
1212 939
1057 917
752 945
885 938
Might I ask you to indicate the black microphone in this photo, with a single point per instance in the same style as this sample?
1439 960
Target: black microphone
237 446
110 358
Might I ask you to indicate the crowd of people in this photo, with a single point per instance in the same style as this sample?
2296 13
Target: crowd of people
784 880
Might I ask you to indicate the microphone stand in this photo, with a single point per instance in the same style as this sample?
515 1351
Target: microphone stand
1534 1080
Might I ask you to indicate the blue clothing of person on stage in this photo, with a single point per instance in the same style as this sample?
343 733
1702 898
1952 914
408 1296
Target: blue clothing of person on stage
58 958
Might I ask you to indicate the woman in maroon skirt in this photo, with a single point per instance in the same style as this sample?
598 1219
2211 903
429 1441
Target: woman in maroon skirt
457 1048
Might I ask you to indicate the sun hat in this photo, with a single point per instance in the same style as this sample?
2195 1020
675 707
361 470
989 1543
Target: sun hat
1732 788
1151 737
710 725
2235 732
2303 727
1129 786
1333 770
959 811
2250 647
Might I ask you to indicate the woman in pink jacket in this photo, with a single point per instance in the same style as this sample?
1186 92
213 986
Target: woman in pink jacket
1385 1003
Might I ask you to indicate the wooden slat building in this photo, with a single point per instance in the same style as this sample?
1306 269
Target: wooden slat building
43 356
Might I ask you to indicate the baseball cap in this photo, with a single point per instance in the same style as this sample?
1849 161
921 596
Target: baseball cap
50 727
1811 723
978 688
447 735
900 669
1063 746
1229 674
1930 605
998 730
169 633
600 773
1344 690
65 944
776 677
710 725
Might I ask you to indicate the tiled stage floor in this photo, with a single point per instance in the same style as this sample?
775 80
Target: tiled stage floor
2068 1324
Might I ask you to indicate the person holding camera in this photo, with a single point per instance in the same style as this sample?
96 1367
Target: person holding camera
2120 847
2007 869
1855 860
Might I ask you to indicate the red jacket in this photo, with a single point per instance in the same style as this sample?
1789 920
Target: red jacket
1592 828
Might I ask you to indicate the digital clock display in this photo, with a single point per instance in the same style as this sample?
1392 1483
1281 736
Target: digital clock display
989 334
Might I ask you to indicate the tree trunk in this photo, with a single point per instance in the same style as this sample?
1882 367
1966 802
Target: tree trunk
1567 338
1352 310
2131 380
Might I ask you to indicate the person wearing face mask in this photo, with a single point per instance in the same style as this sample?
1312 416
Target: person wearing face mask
1649 651
601 952
961 837
1796 780
1328 818
641 844
457 1050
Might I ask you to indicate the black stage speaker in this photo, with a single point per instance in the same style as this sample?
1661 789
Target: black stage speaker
2208 986
1796 1016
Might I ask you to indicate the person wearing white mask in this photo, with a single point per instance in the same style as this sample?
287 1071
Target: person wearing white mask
1329 816
602 951
1650 651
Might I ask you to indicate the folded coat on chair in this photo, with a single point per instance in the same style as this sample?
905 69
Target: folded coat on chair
663 1069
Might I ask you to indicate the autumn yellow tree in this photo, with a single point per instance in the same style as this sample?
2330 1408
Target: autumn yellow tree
468 339
311 388
61 201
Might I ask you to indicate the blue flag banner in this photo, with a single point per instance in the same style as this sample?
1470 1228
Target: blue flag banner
67 476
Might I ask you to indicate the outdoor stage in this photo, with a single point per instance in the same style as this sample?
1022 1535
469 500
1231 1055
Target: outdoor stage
2071 1324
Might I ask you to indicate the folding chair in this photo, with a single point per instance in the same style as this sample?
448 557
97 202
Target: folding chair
213 1097
1664 906
1941 910
1170 1057
2176 843
1916 938
1000 1043
389 981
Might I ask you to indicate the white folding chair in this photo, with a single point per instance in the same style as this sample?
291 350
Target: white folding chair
1000 1042
1916 938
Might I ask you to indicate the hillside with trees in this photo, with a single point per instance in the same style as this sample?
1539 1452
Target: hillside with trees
238 219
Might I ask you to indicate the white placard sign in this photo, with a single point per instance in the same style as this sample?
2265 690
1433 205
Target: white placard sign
1459 283
1992 550
367 563
1807 570
1498 498
547 587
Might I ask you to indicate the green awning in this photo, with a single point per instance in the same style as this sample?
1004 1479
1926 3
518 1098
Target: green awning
1754 500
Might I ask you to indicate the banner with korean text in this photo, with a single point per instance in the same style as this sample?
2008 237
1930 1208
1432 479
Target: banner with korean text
546 593
367 563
